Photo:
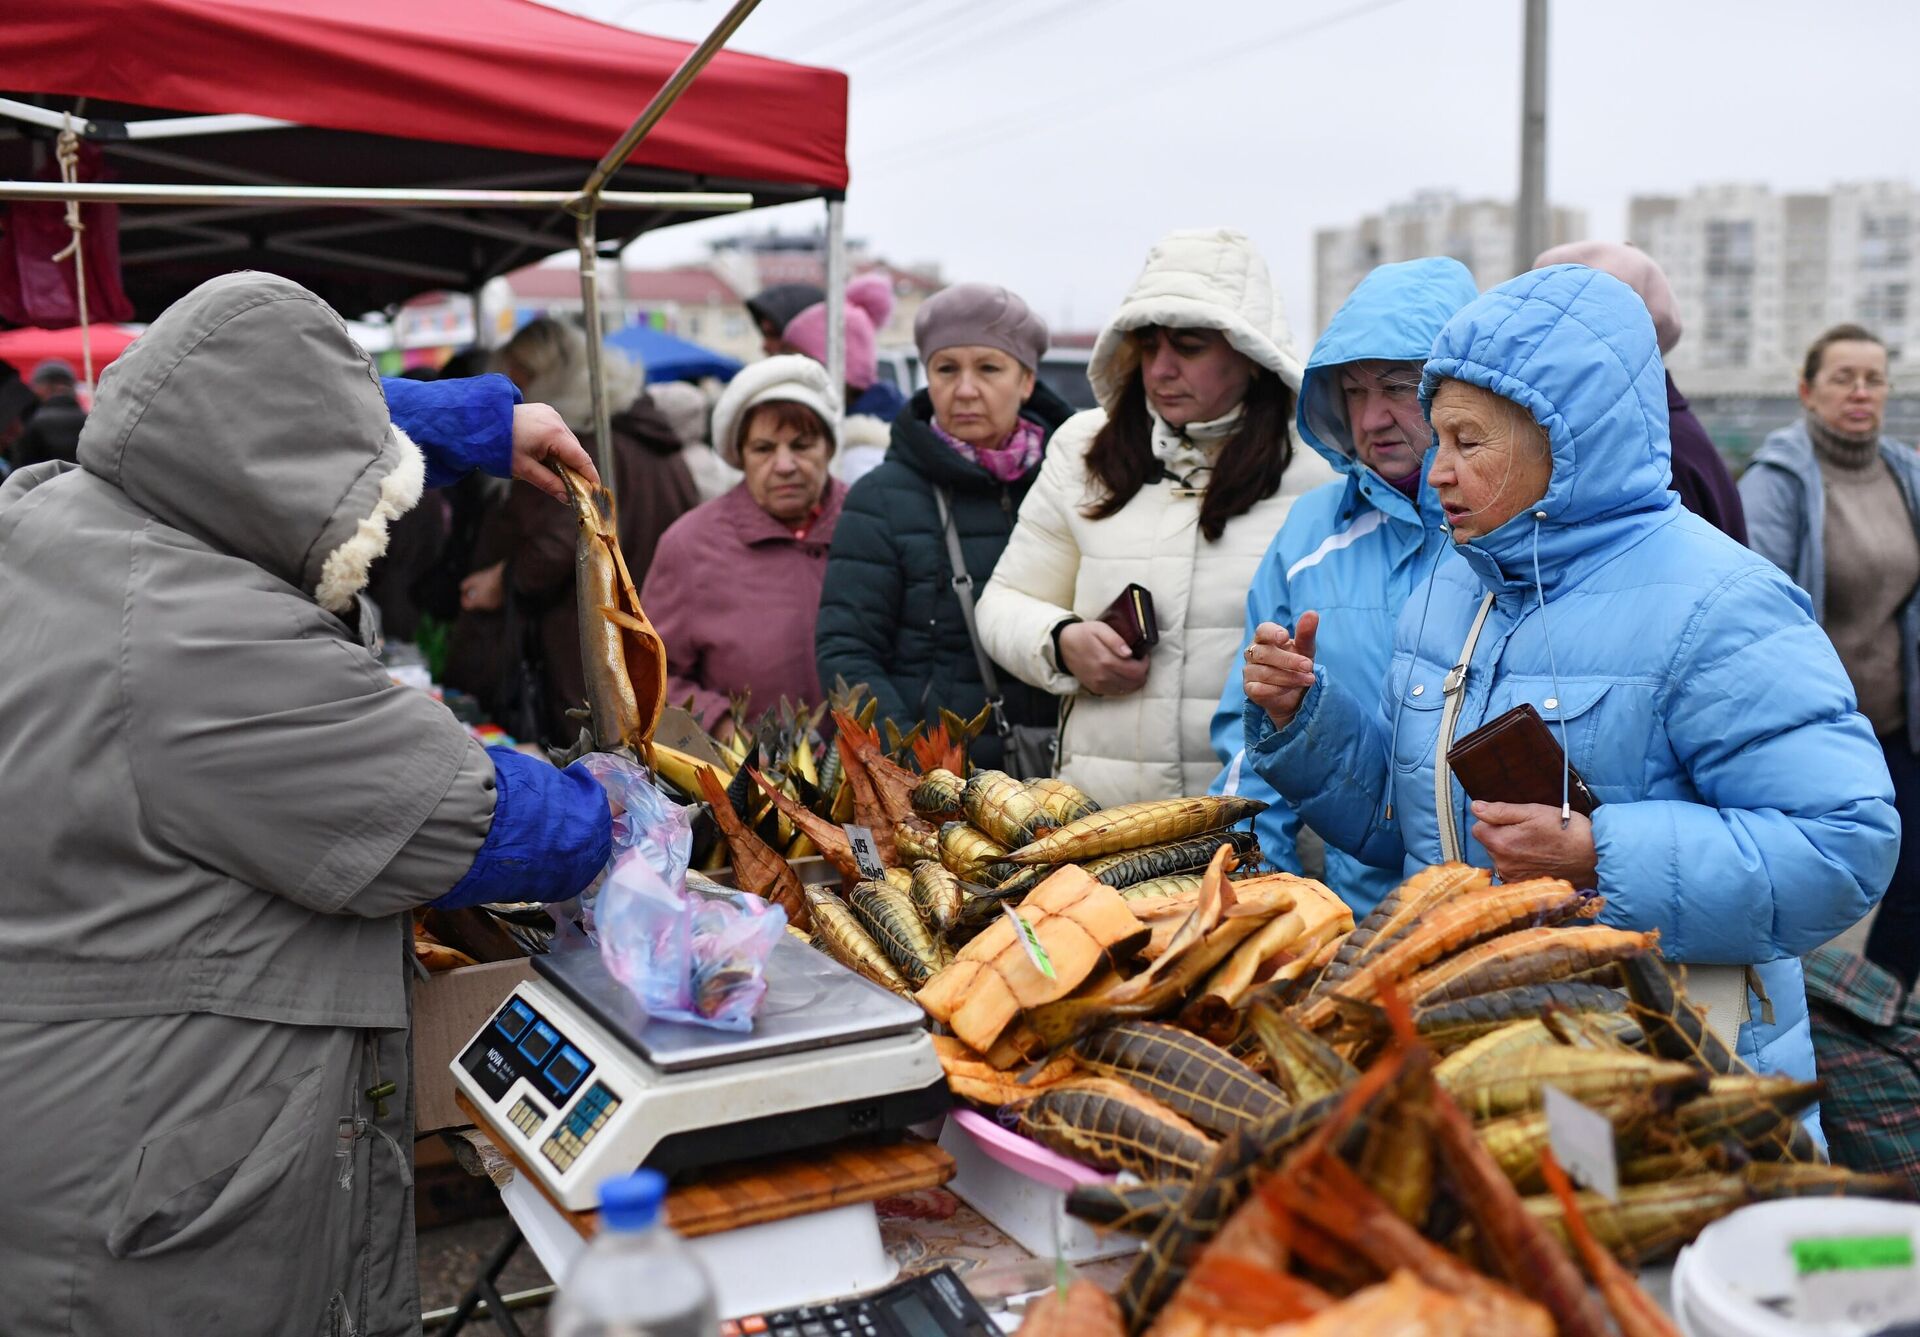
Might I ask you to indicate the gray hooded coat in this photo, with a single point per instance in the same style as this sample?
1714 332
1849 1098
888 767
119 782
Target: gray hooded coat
217 814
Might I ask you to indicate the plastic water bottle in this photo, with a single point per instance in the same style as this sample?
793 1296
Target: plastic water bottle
637 1278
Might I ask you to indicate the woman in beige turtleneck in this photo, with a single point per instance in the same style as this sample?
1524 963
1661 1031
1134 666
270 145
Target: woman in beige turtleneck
1837 506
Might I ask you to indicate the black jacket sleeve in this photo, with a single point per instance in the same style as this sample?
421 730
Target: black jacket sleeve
860 603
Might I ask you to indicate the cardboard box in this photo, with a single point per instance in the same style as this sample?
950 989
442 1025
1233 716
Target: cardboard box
447 1010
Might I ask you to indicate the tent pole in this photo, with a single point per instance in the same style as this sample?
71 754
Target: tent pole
596 366
585 205
669 94
477 297
837 298
366 197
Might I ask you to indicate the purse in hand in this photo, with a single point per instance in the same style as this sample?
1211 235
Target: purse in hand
1515 758
1132 616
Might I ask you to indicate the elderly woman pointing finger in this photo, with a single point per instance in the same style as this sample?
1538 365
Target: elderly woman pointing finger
1743 805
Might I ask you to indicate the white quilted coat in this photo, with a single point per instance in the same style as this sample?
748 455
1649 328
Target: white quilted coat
1152 743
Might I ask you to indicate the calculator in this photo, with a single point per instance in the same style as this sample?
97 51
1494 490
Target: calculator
933 1304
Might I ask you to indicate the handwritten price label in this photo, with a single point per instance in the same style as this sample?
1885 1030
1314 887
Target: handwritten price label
865 852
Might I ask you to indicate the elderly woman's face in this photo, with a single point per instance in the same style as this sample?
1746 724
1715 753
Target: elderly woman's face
1849 392
785 462
1492 460
977 393
1191 375
1382 400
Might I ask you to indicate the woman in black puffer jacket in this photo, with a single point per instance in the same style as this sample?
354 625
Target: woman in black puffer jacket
889 616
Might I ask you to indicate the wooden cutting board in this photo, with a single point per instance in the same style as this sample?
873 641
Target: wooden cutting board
774 1188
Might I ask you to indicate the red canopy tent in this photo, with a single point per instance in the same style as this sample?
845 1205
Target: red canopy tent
433 93
26 348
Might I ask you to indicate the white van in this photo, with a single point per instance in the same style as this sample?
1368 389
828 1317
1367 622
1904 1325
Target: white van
1063 369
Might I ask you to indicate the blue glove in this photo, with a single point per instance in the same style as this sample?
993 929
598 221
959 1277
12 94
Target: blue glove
552 833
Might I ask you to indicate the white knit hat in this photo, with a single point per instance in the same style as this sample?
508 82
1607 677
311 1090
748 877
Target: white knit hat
789 377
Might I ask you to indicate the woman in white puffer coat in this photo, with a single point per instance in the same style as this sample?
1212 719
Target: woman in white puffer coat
1177 483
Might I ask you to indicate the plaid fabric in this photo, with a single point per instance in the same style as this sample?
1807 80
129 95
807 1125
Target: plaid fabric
1866 1039
1853 984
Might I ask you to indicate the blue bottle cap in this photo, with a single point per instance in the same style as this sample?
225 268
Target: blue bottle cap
632 1202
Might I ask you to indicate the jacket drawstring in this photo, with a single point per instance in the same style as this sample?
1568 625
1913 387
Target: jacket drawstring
1553 669
1400 698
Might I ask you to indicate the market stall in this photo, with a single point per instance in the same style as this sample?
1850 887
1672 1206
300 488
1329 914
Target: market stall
441 94
667 357
1209 1087
26 348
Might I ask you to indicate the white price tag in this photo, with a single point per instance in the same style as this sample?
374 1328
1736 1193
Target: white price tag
1582 1142
865 852
1031 941
1868 1281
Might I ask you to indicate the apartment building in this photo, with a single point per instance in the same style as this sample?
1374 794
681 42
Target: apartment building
1757 274
1478 233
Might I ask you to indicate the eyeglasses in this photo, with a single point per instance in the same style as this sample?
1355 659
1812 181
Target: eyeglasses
1847 380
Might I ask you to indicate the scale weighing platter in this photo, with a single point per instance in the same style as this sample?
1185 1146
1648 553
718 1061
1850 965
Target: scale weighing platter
571 1073
812 1001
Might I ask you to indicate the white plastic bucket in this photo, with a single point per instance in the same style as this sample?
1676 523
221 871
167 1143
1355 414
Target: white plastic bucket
1738 1278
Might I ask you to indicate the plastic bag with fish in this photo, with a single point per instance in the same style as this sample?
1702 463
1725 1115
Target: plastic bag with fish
684 956
646 825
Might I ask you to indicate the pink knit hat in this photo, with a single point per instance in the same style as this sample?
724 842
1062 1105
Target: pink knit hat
869 303
1633 267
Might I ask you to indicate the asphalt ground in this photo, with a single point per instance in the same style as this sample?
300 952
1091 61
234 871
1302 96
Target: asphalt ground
451 1256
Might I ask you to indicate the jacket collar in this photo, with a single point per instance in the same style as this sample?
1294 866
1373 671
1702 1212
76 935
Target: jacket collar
926 454
755 526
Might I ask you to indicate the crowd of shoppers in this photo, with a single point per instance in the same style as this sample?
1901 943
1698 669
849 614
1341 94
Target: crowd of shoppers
1407 501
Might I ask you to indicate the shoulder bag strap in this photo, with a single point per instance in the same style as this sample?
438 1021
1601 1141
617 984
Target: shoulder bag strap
963 591
1455 688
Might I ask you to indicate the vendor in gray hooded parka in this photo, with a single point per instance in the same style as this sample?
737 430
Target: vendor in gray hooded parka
219 814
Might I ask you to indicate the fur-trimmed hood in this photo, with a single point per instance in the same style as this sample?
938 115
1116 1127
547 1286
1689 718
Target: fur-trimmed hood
1198 278
247 417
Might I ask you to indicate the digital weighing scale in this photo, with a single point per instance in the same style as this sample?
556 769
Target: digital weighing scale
584 1087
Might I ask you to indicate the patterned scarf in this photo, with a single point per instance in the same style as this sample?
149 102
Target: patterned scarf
1011 460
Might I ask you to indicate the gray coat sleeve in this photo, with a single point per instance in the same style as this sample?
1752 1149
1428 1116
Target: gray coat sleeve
268 746
1776 514
442 851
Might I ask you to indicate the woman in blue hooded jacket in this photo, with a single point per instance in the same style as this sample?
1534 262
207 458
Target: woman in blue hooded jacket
1354 549
1744 806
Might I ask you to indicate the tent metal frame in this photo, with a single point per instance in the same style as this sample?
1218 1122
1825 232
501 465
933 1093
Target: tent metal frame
247 195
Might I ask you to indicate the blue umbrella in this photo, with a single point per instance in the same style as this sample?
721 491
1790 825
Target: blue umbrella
668 357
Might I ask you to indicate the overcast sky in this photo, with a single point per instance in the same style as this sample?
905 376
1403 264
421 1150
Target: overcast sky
1044 144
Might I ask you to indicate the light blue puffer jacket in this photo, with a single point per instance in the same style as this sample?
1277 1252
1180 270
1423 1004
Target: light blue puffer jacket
1746 811
1353 550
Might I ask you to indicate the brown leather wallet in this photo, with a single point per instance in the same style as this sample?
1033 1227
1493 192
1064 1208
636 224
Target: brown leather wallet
1515 758
1132 616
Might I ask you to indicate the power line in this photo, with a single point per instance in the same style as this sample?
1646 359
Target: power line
983 134
1022 28
944 25
855 17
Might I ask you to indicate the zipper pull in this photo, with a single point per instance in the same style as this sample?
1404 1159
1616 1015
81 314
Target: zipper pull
379 1096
